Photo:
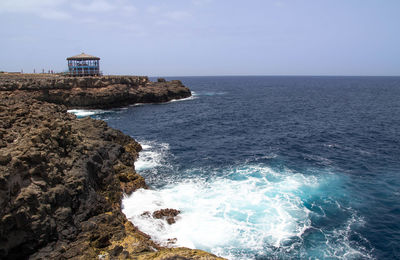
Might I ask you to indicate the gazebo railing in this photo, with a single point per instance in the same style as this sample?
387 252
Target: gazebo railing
84 71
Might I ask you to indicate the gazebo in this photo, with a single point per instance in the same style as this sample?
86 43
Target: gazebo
84 65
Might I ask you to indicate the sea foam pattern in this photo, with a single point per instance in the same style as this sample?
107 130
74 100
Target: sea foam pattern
84 112
153 155
253 210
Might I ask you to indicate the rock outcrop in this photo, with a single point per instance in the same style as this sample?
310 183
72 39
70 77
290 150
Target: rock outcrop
168 214
94 92
61 183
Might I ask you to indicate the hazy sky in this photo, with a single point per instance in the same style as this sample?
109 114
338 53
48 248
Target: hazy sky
204 37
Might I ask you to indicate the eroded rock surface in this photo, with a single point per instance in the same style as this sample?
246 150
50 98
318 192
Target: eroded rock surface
94 92
168 214
61 183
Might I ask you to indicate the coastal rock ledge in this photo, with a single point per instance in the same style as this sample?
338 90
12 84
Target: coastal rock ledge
61 184
94 92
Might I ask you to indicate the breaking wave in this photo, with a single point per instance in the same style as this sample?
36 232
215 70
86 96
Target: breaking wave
152 155
83 112
253 210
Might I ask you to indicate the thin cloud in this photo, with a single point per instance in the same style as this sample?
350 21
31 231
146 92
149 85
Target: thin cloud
49 9
94 6
110 14
178 15
279 3
153 9
54 15
129 9
64 9
28 6
201 2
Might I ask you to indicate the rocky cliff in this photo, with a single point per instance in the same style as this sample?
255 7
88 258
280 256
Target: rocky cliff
94 92
61 183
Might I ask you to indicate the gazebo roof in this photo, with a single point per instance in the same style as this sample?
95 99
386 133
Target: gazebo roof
83 56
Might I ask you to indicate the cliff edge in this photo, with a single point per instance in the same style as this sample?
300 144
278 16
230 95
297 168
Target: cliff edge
61 184
94 92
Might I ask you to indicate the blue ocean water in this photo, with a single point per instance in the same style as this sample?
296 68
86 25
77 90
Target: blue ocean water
272 167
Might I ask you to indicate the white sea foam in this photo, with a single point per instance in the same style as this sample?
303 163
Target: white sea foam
192 97
83 112
145 146
244 213
184 99
338 244
255 210
152 155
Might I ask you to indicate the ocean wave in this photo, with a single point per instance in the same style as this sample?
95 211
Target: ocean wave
153 155
192 97
252 211
84 112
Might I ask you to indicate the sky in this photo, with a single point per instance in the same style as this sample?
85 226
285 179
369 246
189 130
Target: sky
204 37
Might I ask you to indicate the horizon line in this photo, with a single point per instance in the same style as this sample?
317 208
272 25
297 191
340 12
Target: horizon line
278 75
226 75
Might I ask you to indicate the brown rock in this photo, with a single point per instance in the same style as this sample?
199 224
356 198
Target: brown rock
61 185
5 159
51 195
168 214
95 92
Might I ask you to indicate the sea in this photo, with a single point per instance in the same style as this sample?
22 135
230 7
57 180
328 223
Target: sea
271 167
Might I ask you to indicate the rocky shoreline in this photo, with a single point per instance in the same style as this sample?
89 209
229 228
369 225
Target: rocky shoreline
94 92
61 184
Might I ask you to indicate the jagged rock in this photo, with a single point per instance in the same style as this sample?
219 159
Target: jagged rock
94 92
168 214
5 159
61 184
